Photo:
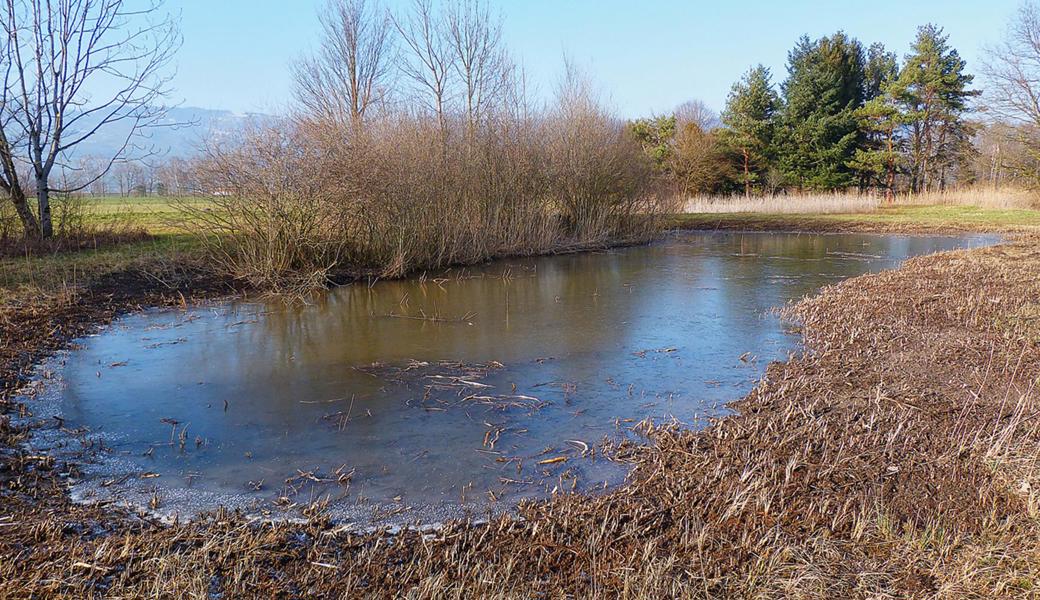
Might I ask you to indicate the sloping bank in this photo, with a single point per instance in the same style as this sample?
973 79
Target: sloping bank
896 458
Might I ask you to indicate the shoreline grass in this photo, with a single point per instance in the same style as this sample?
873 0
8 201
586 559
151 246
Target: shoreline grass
854 202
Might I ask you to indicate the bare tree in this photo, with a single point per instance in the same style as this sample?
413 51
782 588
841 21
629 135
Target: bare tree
129 177
1012 71
73 68
176 176
431 61
475 39
87 166
697 113
350 72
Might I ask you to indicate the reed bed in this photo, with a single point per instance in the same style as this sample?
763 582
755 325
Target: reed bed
859 203
895 458
981 197
832 203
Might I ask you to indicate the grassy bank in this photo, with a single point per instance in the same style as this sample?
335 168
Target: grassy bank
897 458
36 278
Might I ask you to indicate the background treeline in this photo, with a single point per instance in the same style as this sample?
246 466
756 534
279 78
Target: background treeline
846 116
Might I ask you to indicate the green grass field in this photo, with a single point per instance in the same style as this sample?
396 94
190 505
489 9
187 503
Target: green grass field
157 215
163 215
26 278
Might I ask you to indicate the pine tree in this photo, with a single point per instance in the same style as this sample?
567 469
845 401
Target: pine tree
933 91
878 160
819 133
880 120
656 135
881 68
749 123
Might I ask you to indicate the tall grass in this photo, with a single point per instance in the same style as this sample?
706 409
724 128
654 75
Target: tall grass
826 203
856 202
982 197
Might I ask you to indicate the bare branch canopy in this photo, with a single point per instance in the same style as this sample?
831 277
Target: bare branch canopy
71 69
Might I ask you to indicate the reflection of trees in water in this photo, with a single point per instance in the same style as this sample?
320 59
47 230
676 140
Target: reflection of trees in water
565 304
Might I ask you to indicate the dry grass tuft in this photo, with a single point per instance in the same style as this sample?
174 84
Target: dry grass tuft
859 203
834 203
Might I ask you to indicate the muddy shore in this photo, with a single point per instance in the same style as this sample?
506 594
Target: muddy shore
895 458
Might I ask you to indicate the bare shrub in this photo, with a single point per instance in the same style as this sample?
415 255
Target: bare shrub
598 174
270 222
463 172
298 204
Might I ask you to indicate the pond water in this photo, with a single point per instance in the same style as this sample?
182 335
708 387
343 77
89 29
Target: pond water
442 396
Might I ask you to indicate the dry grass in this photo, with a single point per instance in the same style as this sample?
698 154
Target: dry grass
1003 198
897 458
857 203
835 203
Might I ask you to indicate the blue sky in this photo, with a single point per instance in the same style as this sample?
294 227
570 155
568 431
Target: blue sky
645 56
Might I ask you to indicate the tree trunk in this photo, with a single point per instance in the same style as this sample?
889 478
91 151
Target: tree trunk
747 174
890 179
21 206
43 200
890 183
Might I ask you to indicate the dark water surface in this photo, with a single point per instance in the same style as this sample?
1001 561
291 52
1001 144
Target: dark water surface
429 398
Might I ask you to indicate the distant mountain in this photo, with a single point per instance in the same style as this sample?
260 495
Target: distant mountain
184 131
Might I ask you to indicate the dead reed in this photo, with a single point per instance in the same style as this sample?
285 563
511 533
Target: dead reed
855 202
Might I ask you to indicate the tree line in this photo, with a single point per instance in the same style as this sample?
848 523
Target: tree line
846 116
430 90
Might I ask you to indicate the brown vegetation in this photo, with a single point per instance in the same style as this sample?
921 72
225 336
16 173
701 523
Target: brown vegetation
859 203
440 161
305 203
895 458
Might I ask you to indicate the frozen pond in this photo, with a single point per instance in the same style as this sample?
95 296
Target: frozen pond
442 396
